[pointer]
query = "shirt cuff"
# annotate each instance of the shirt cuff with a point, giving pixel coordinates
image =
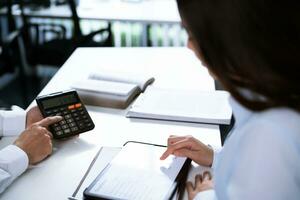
(206, 195)
(13, 122)
(13, 160)
(215, 159)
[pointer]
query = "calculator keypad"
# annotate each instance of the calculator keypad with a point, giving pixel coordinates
(75, 120)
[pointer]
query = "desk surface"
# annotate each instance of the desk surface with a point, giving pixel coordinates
(146, 11)
(58, 176)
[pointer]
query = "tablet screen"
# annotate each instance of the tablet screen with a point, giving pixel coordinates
(138, 173)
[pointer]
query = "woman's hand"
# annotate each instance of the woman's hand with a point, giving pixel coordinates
(187, 146)
(202, 183)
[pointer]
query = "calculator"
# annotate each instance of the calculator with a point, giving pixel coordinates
(67, 104)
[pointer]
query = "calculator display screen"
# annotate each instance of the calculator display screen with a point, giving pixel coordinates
(60, 101)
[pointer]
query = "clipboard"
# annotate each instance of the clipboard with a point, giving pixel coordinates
(137, 173)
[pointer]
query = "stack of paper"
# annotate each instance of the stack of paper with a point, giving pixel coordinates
(180, 105)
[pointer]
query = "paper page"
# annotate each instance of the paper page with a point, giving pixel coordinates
(195, 106)
(104, 158)
(138, 79)
(138, 173)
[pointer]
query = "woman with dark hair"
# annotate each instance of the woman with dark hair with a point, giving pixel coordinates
(253, 48)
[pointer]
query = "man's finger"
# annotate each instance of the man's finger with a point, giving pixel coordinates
(50, 134)
(49, 120)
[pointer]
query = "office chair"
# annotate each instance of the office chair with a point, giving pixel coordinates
(6, 61)
(8, 45)
(40, 51)
(10, 62)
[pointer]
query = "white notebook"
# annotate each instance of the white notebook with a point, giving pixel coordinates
(111, 89)
(182, 105)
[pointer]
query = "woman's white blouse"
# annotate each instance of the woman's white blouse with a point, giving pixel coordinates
(260, 158)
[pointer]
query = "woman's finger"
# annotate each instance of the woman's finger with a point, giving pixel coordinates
(198, 179)
(185, 153)
(173, 139)
(186, 143)
(189, 187)
(207, 176)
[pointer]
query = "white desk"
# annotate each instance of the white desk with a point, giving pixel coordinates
(58, 176)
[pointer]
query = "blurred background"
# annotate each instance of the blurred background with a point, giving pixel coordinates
(38, 36)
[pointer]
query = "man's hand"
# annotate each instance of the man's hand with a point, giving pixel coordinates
(33, 115)
(187, 146)
(202, 183)
(35, 141)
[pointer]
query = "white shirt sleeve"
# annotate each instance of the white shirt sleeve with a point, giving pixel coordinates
(12, 122)
(216, 155)
(13, 162)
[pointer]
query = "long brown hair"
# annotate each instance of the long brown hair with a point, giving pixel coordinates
(250, 44)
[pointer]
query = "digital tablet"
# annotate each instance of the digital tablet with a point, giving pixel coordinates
(138, 173)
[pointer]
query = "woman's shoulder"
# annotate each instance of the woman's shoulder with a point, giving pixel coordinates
(263, 151)
(282, 119)
(278, 125)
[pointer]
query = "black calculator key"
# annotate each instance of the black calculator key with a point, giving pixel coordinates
(77, 118)
(65, 126)
(72, 124)
(68, 116)
(62, 109)
(66, 131)
(66, 112)
(74, 128)
(55, 110)
(81, 125)
(70, 120)
(75, 114)
(63, 122)
(59, 132)
(86, 121)
(72, 111)
(48, 112)
(56, 124)
(84, 117)
(89, 124)
(58, 128)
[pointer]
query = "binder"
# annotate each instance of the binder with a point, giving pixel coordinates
(137, 173)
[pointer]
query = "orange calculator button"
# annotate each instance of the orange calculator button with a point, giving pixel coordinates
(78, 105)
(71, 107)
